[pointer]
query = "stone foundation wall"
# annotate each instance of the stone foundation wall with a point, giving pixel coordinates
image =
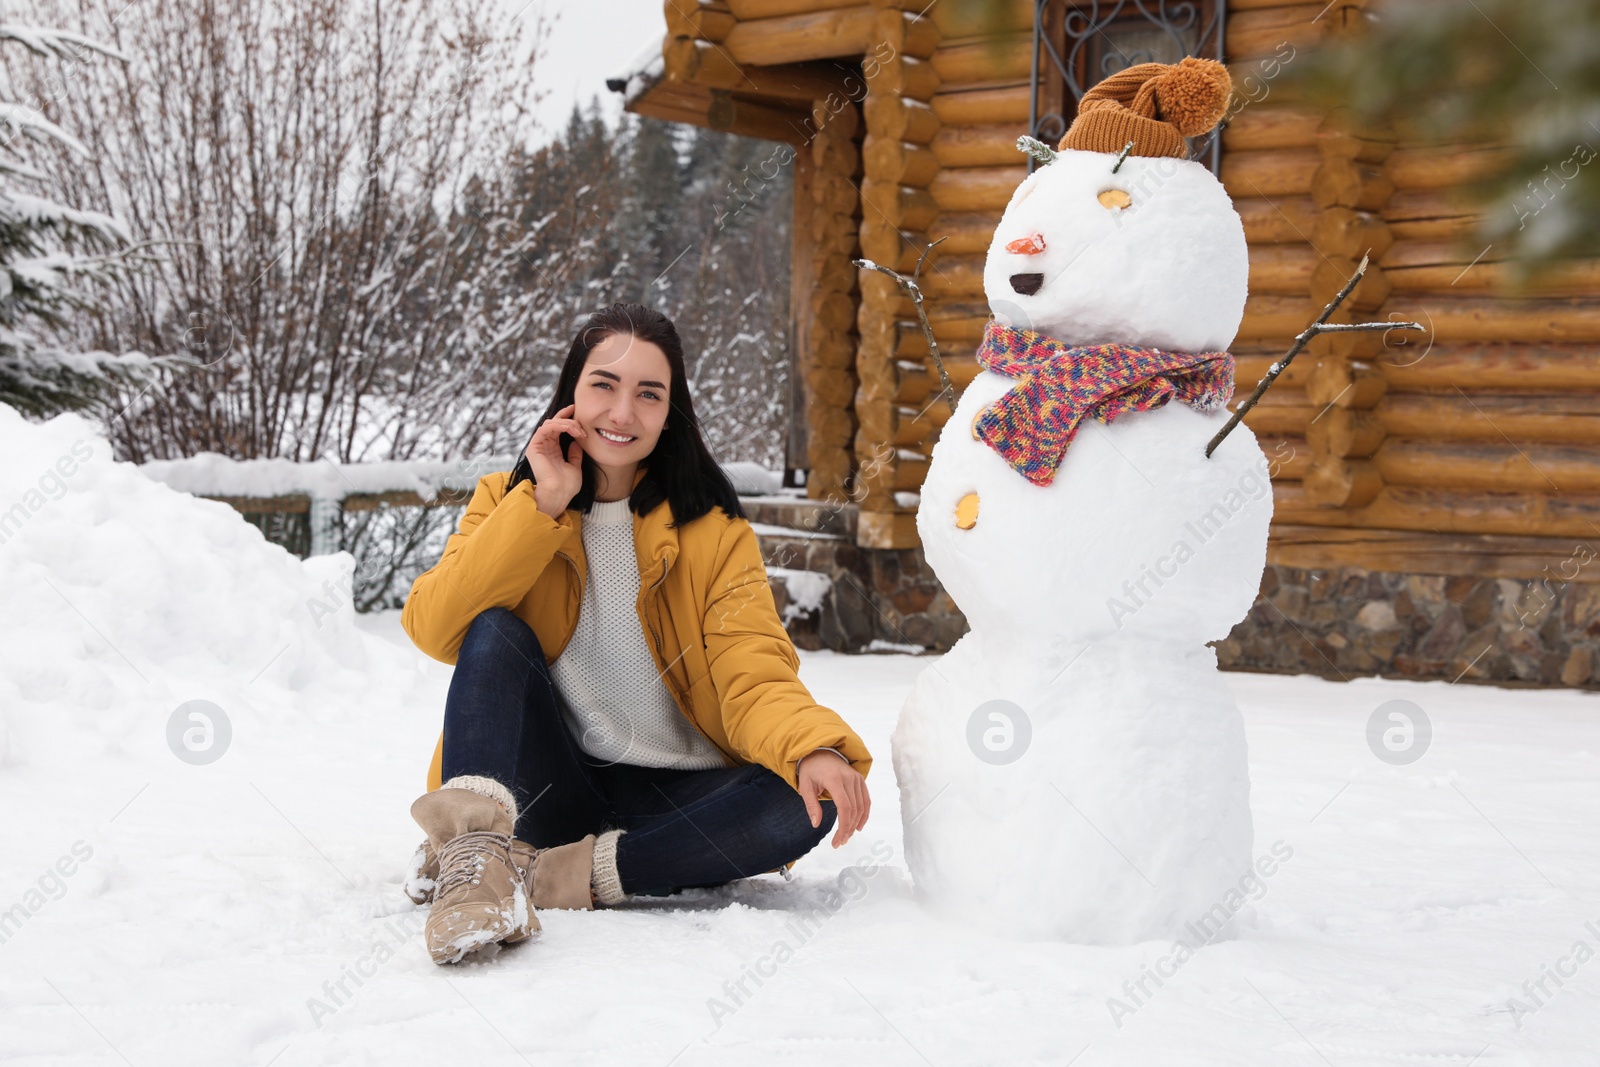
(1349, 622)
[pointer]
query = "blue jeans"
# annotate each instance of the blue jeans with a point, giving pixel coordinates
(685, 829)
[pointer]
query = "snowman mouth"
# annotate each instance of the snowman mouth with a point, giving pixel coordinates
(614, 438)
(1027, 284)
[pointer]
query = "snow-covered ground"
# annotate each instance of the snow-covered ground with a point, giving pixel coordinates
(248, 910)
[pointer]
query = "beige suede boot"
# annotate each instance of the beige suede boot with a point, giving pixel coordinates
(478, 898)
(563, 876)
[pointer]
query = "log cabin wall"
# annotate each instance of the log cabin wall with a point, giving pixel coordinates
(1436, 500)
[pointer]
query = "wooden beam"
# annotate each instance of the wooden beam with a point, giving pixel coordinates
(1414, 552)
(710, 65)
(958, 106)
(841, 32)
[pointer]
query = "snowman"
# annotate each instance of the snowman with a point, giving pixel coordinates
(1074, 767)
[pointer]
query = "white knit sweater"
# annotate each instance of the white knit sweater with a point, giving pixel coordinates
(614, 700)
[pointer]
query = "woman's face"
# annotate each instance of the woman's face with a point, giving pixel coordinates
(622, 393)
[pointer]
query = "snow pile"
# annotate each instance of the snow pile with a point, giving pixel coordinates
(130, 599)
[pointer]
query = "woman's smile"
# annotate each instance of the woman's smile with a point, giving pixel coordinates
(614, 438)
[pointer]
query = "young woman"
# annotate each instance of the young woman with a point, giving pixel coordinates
(625, 715)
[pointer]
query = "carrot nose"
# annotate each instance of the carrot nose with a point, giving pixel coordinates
(1030, 245)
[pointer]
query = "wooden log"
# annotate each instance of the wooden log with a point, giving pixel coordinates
(1288, 458)
(1331, 273)
(896, 117)
(889, 160)
(1445, 167)
(1259, 33)
(1283, 220)
(826, 225)
(1344, 433)
(964, 233)
(1577, 278)
(835, 116)
(1280, 416)
(958, 106)
(834, 197)
(900, 381)
(1449, 228)
(1345, 183)
(977, 146)
(900, 206)
(837, 157)
(905, 33)
(1268, 126)
(891, 423)
(844, 31)
(832, 348)
(1270, 172)
(1341, 137)
(708, 64)
(830, 467)
(1494, 368)
(708, 20)
(1403, 507)
(1250, 369)
(888, 470)
(1282, 268)
(834, 272)
(1497, 465)
(916, 79)
(1416, 205)
(1275, 318)
(982, 20)
(730, 114)
(955, 339)
(1346, 383)
(834, 386)
(1413, 552)
(976, 188)
(995, 60)
(1337, 483)
(893, 248)
(955, 277)
(1345, 232)
(1562, 418)
(831, 426)
(1467, 319)
(833, 311)
(751, 10)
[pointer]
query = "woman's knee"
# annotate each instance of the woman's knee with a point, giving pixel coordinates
(495, 631)
(790, 822)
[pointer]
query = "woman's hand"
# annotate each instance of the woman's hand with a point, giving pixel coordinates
(557, 478)
(824, 770)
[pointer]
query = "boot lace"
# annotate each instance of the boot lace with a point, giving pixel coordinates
(463, 857)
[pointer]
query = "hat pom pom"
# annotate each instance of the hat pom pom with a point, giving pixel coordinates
(1193, 95)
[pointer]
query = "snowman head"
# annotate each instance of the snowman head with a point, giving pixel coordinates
(1145, 248)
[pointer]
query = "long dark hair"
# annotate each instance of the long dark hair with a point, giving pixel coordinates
(680, 469)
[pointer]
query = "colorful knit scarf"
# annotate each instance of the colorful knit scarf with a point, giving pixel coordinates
(1058, 384)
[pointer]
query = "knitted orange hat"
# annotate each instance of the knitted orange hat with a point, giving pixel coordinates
(1154, 105)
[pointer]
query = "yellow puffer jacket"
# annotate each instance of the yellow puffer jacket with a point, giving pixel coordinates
(704, 603)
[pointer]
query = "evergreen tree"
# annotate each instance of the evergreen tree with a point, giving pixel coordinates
(1522, 75)
(45, 248)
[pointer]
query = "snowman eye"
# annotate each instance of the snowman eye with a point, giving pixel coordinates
(1114, 198)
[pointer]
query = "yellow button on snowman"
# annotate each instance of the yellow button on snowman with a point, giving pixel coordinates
(1094, 548)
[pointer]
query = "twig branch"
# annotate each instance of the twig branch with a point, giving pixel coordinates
(914, 291)
(1301, 339)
